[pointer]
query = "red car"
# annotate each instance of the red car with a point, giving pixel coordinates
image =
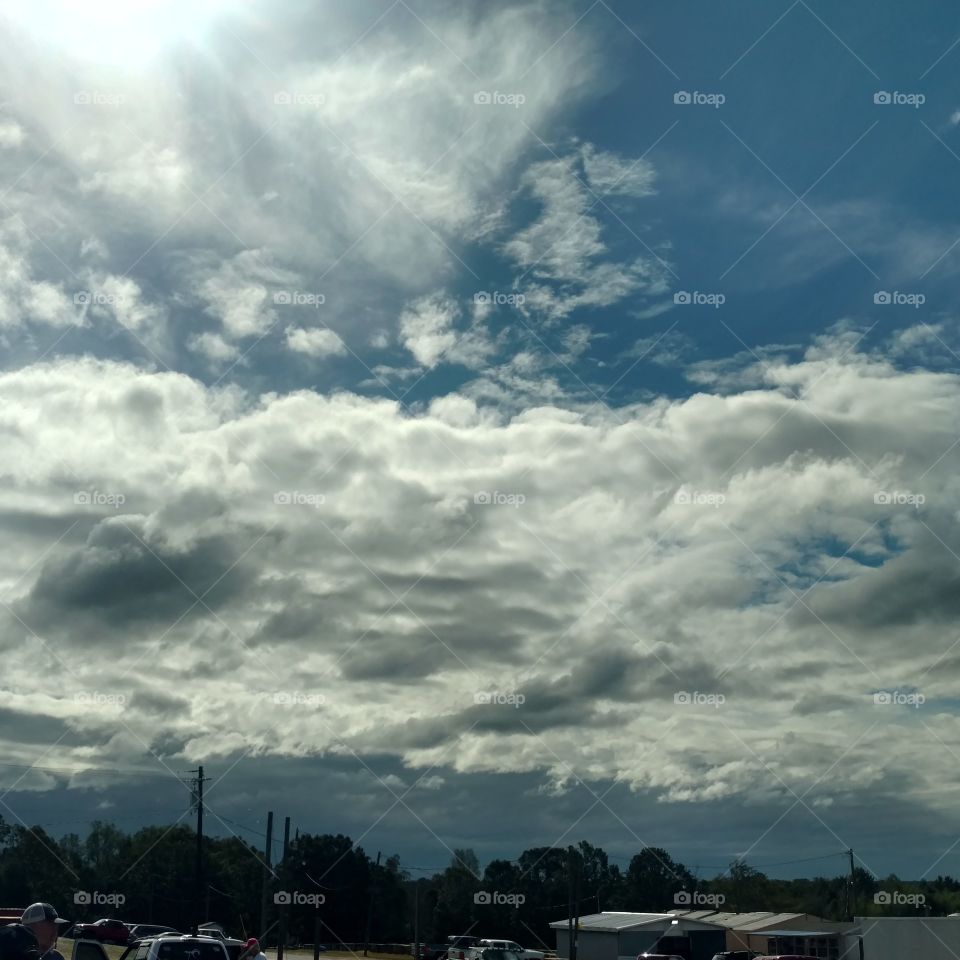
(106, 931)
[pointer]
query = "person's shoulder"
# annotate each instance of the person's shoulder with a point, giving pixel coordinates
(17, 942)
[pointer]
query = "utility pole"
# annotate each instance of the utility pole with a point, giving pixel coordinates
(373, 880)
(573, 895)
(283, 907)
(576, 905)
(416, 919)
(267, 856)
(198, 898)
(852, 899)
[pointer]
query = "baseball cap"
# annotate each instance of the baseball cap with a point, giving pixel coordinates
(40, 912)
(252, 942)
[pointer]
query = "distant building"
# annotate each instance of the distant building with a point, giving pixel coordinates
(779, 933)
(699, 934)
(891, 938)
(609, 936)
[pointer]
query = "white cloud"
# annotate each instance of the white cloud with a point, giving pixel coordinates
(315, 342)
(11, 135)
(427, 331)
(600, 594)
(213, 346)
(22, 296)
(561, 253)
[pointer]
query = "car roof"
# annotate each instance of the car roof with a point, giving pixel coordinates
(184, 936)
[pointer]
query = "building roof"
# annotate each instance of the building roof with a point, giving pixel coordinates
(759, 920)
(807, 934)
(614, 922)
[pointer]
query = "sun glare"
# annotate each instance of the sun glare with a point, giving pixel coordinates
(121, 32)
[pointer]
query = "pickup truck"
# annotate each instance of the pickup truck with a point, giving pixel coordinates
(165, 947)
(105, 930)
(510, 947)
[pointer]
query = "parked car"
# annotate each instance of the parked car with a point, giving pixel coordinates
(736, 955)
(513, 947)
(234, 947)
(659, 956)
(140, 930)
(481, 952)
(164, 947)
(457, 947)
(173, 946)
(786, 956)
(433, 951)
(103, 931)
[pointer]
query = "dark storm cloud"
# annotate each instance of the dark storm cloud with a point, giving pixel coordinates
(159, 702)
(20, 726)
(121, 576)
(922, 586)
(812, 703)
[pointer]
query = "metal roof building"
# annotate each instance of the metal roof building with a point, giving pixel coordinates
(610, 936)
(701, 933)
(773, 933)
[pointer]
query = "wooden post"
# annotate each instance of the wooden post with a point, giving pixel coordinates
(282, 936)
(267, 856)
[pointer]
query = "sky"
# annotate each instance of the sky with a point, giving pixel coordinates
(491, 426)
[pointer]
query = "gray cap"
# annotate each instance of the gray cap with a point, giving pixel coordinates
(40, 912)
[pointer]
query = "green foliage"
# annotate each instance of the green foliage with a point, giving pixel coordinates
(154, 869)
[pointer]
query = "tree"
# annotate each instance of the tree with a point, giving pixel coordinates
(456, 886)
(652, 881)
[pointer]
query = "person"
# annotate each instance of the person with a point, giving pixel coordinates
(34, 936)
(251, 950)
(43, 921)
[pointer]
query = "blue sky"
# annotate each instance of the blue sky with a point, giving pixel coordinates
(357, 360)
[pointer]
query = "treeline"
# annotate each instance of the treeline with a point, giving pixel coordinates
(148, 877)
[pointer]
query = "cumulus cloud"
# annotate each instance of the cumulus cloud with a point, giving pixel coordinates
(315, 342)
(709, 545)
(427, 331)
